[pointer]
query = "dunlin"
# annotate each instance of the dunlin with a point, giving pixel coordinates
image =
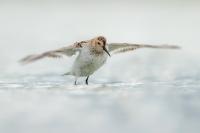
(92, 54)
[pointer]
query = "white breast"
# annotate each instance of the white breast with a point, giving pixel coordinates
(87, 63)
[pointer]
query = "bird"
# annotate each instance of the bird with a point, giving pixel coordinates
(92, 54)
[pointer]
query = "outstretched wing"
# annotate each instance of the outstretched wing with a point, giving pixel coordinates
(68, 51)
(125, 47)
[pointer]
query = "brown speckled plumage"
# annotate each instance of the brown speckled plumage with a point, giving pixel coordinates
(92, 55)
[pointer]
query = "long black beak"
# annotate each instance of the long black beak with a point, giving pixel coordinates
(104, 48)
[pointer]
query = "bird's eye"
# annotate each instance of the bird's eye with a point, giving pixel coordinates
(99, 43)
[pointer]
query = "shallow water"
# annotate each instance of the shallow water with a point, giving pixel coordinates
(50, 103)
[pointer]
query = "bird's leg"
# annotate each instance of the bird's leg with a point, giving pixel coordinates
(86, 81)
(75, 82)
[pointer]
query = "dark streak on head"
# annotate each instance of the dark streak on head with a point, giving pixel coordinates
(102, 39)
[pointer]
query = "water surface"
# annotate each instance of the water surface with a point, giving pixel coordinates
(51, 103)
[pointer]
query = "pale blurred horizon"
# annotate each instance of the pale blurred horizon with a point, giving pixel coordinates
(36, 26)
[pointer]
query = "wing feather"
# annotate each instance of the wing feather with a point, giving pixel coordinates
(126, 47)
(68, 51)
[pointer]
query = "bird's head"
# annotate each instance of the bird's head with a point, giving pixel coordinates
(100, 44)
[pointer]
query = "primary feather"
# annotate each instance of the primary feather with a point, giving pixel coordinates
(67, 51)
(125, 47)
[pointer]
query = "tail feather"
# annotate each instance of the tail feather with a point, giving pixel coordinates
(68, 73)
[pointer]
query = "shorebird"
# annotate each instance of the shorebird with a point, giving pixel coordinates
(92, 54)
